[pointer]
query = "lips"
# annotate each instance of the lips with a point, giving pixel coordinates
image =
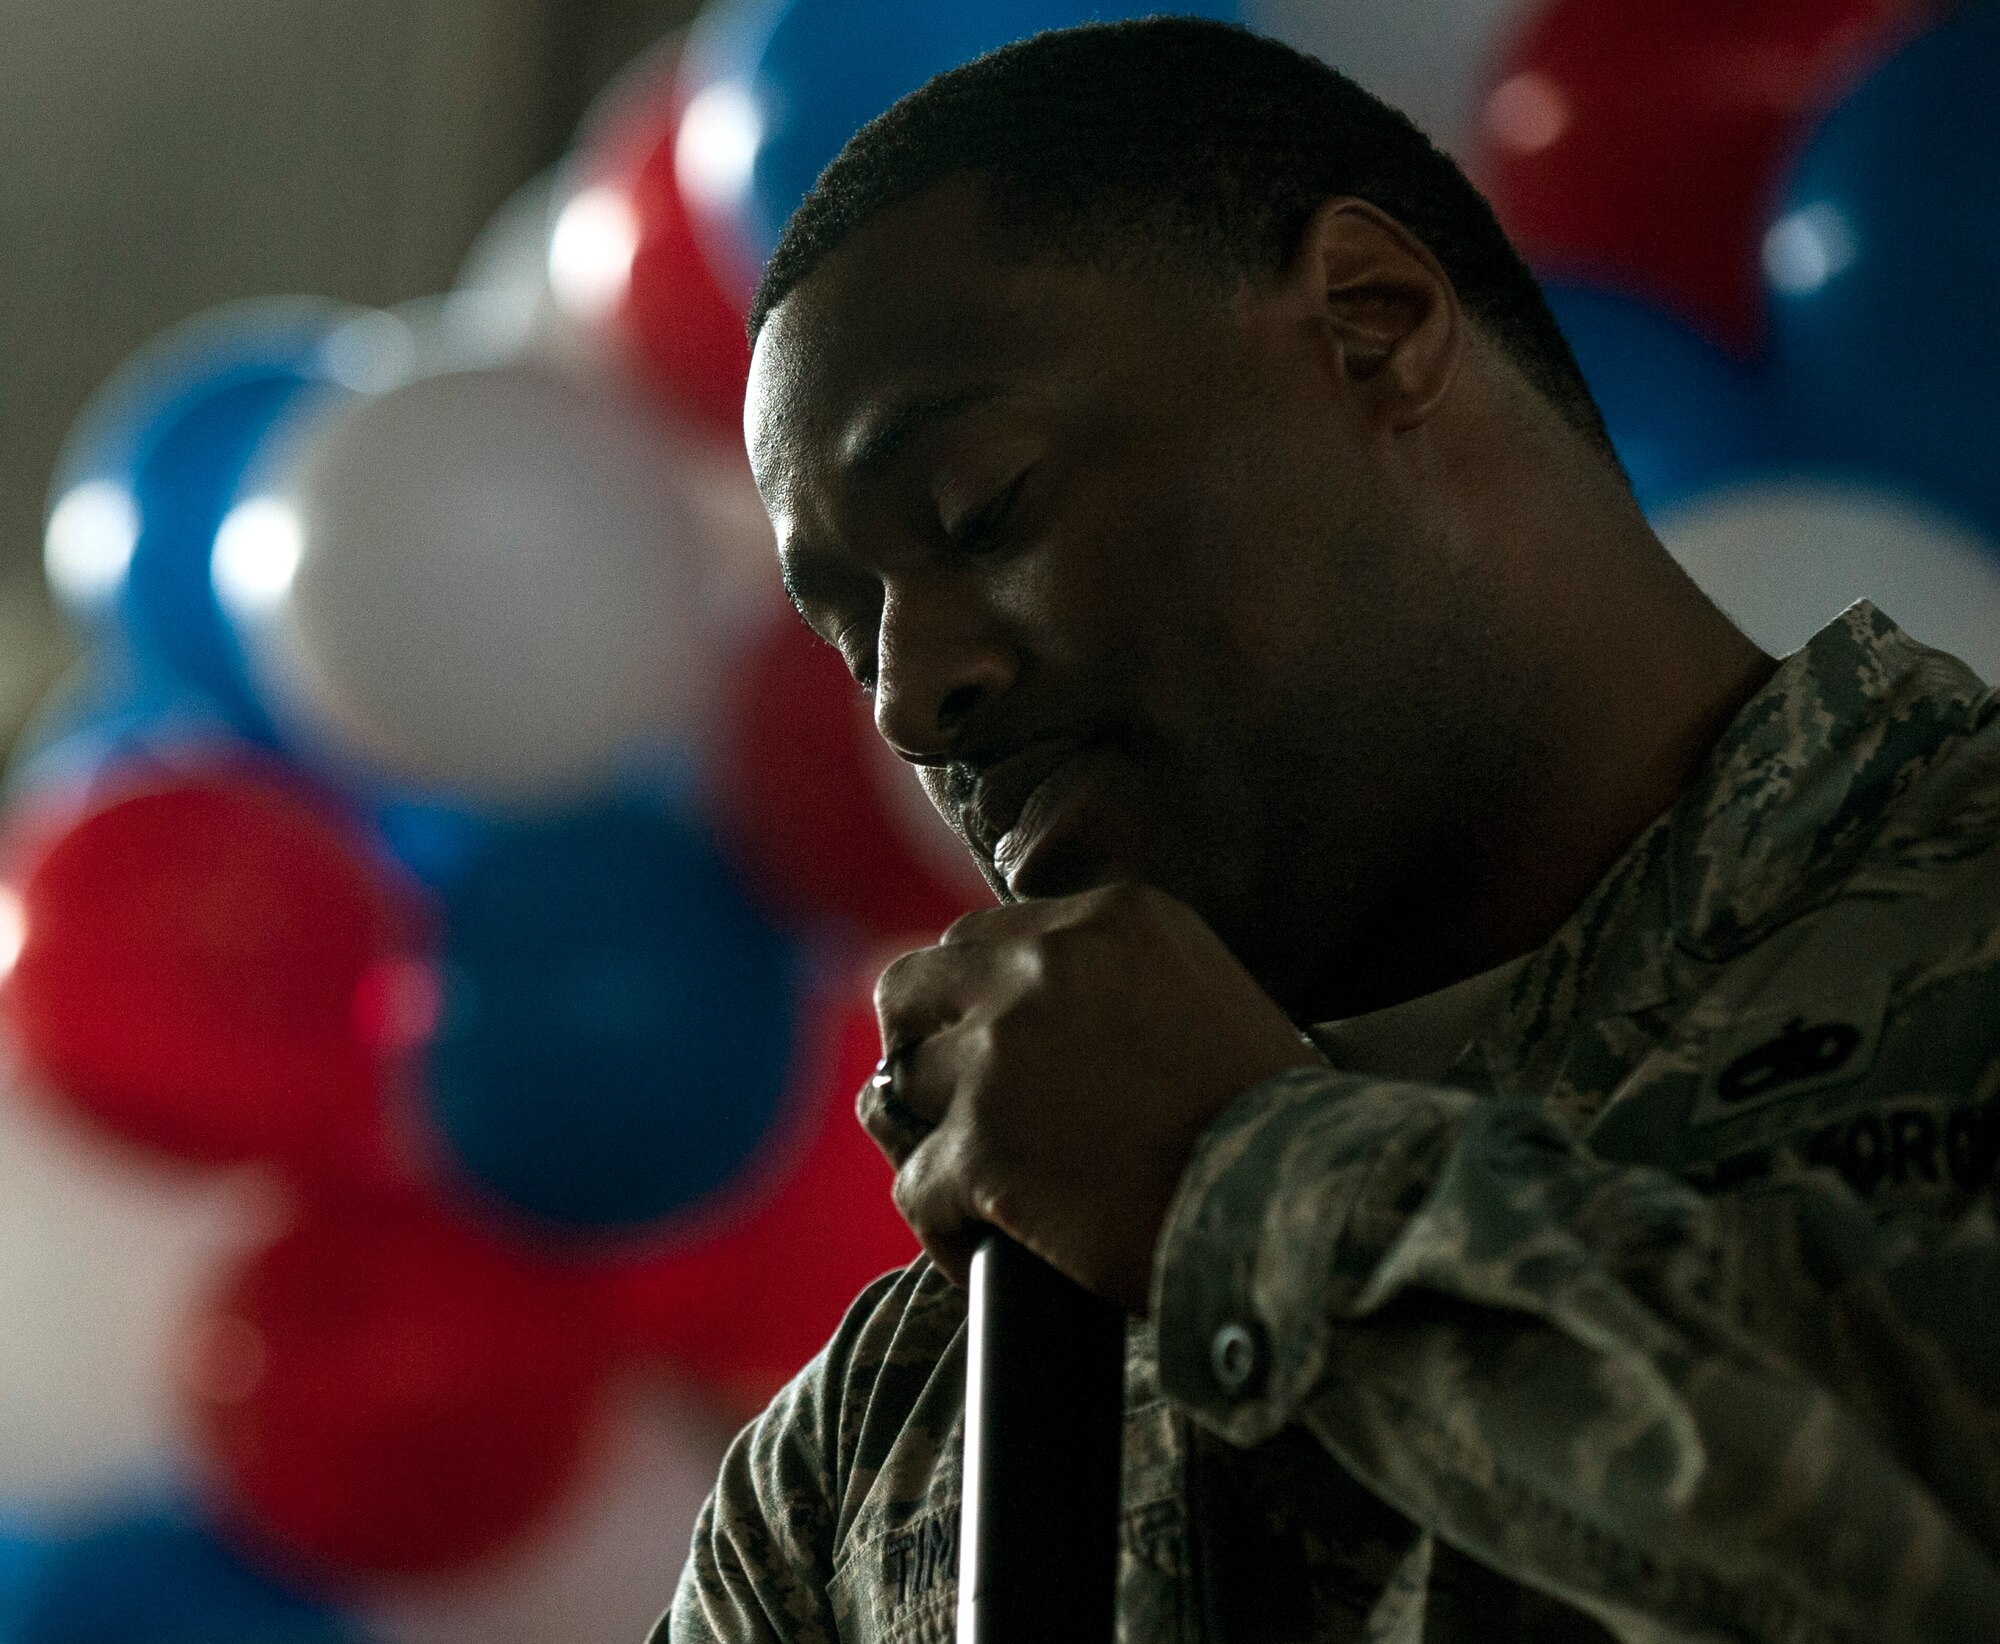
(1004, 789)
(1024, 856)
(1015, 801)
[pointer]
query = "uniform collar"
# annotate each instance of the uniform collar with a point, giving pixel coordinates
(1420, 1038)
(1791, 793)
(1798, 784)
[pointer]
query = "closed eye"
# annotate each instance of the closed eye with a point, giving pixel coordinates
(980, 533)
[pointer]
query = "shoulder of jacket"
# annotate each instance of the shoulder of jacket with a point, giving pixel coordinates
(1951, 810)
(849, 1406)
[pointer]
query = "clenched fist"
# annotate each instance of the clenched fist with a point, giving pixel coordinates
(1055, 1062)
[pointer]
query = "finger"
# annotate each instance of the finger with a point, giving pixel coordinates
(1009, 920)
(932, 1194)
(913, 1088)
(927, 990)
(885, 1112)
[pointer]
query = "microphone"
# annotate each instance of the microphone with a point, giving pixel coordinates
(1044, 1425)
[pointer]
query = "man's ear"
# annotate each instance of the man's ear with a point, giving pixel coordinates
(1385, 308)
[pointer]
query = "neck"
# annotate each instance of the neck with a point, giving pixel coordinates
(1631, 748)
(1630, 676)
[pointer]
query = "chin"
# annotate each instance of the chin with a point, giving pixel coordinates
(1075, 860)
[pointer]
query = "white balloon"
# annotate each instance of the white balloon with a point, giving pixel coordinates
(606, 1567)
(733, 539)
(1430, 58)
(510, 256)
(103, 1261)
(505, 298)
(503, 287)
(483, 581)
(424, 337)
(1783, 557)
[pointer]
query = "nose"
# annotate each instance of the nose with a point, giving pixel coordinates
(936, 660)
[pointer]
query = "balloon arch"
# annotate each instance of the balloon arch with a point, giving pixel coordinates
(450, 833)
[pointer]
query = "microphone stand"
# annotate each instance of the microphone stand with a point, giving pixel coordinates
(1044, 1422)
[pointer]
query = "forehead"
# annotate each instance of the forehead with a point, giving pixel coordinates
(916, 304)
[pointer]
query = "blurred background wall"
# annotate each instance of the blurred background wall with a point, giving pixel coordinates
(158, 157)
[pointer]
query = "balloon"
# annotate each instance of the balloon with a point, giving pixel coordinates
(627, 334)
(384, 1393)
(154, 1573)
(801, 797)
(617, 1022)
(1639, 144)
(1784, 555)
(603, 1565)
(504, 280)
(192, 968)
(638, 311)
(776, 89)
(99, 1267)
(1884, 262)
(105, 726)
(1426, 57)
(19, 1555)
(505, 289)
(479, 580)
(739, 548)
(743, 1309)
(1682, 416)
(427, 337)
(623, 256)
(434, 842)
(148, 473)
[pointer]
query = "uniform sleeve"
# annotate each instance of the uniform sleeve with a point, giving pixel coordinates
(1572, 1370)
(759, 1565)
(762, 1558)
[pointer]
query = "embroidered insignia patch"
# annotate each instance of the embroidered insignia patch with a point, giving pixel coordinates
(1790, 1050)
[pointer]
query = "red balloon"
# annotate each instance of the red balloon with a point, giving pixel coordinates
(675, 318)
(800, 795)
(1640, 143)
(742, 1311)
(204, 969)
(384, 1393)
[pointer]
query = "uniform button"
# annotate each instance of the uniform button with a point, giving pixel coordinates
(1236, 1355)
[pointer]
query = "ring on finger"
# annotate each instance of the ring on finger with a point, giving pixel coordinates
(894, 1106)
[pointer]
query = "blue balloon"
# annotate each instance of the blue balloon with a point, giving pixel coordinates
(434, 841)
(150, 470)
(1684, 418)
(816, 71)
(105, 722)
(617, 1020)
(1883, 266)
(20, 1554)
(434, 836)
(152, 1574)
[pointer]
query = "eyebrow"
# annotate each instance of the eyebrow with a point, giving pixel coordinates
(882, 435)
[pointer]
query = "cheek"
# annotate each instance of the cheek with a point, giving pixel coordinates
(1135, 572)
(1080, 605)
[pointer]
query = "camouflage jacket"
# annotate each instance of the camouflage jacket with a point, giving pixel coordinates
(1673, 1313)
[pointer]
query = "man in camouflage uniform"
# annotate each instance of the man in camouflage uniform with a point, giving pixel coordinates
(1171, 445)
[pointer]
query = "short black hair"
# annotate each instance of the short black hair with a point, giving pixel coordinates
(1190, 136)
